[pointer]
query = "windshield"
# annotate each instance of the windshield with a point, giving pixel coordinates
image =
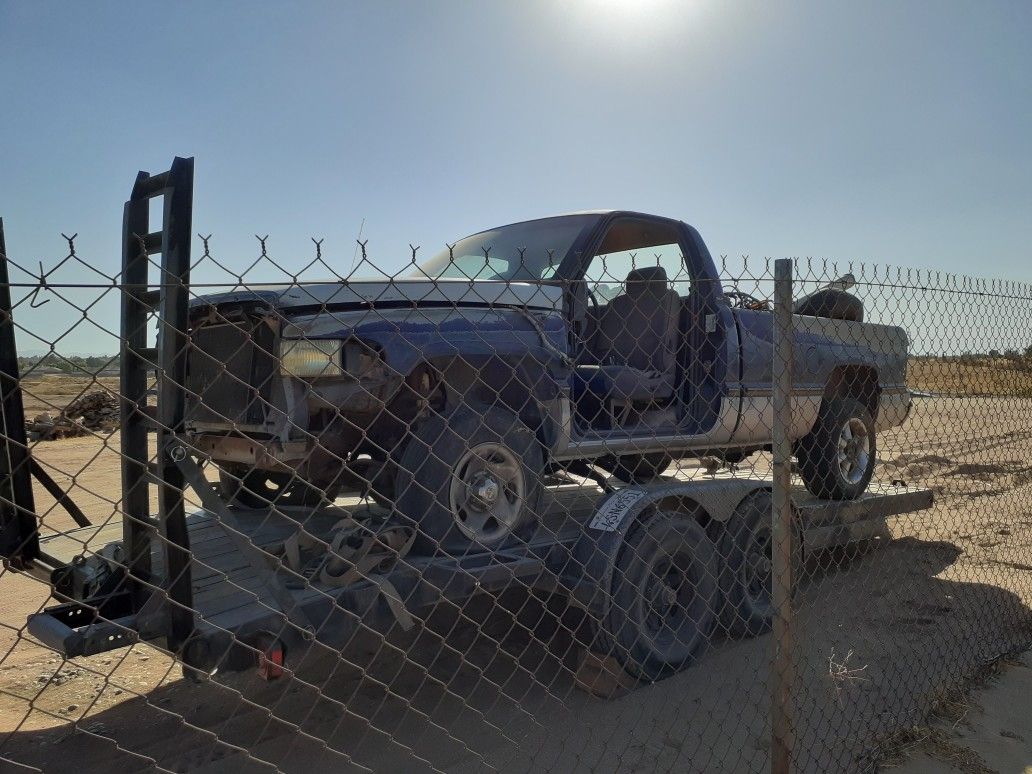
(531, 251)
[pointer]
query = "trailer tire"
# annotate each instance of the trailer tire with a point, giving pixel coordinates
(470, 480)
(745, 543)
(637, 468)
(837, 458)
(664, 597)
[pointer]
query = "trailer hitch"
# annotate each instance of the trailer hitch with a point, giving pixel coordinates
(87, 628)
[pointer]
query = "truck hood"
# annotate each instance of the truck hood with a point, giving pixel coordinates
(399, 292)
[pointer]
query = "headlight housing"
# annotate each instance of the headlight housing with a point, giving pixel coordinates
(360, 360)
(308, 358)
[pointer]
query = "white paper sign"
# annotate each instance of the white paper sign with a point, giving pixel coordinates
(612, 513)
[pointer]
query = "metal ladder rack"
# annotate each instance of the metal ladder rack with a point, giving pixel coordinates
(167, 298)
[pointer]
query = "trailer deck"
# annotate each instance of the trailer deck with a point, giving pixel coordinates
(232, 598)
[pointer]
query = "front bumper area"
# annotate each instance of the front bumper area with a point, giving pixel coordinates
(254, 453)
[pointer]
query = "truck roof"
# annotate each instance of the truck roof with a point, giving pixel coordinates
(575, 213)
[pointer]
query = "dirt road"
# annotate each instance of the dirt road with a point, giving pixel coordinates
(881, 636)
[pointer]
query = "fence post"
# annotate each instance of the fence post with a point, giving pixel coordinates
(781, 659)
(19, 535)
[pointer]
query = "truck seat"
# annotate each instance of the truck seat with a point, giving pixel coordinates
(635, 344)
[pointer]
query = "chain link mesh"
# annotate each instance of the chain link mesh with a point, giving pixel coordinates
(511, 509)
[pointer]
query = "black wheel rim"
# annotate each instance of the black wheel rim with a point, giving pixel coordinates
(756, 569)
(672, 607)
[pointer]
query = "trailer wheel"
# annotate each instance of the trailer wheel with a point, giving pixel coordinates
(637, 468)
(664, 598)
(470, 479)
(837, 458)
(746, 543)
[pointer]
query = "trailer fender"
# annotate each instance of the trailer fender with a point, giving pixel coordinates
(595, 553)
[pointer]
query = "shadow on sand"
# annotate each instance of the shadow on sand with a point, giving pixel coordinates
(493, 688)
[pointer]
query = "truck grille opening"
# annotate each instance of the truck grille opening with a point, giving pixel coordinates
(230, 367)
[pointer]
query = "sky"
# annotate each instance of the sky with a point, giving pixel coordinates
(893, 133)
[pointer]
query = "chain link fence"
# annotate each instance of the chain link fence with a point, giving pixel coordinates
(533, 504)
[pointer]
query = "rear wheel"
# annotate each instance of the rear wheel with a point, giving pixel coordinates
(470, 479)
(664, 597)
(746, 546)
(637, 468)
(837, 458)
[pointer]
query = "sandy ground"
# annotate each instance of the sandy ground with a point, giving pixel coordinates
(987, 730)
(881, 637)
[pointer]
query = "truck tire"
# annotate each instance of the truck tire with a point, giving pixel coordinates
(837, 458)
(637, 468)
(470, 480)
(664, 597)
(832, 304)
(745, 543)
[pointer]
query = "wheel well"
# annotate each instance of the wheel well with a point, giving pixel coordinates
(860, 382)
(493, 382)
(685, 505)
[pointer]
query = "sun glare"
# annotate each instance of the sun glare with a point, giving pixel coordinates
(633, 21)
(629, 7)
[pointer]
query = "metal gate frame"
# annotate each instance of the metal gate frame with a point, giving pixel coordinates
(168, 297)
(19, 530)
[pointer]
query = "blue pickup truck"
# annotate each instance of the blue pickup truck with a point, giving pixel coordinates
(598, 337)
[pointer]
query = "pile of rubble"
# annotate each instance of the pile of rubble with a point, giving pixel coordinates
(93, 412)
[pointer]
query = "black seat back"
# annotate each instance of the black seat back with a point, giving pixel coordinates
(639, 328)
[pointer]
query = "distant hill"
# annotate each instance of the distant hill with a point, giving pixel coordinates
(73, 364)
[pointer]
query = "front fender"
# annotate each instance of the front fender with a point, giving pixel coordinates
(478, 336)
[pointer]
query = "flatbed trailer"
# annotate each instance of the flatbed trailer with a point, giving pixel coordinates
(244, 605)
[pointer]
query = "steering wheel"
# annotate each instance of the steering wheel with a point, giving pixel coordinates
(594, 303)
